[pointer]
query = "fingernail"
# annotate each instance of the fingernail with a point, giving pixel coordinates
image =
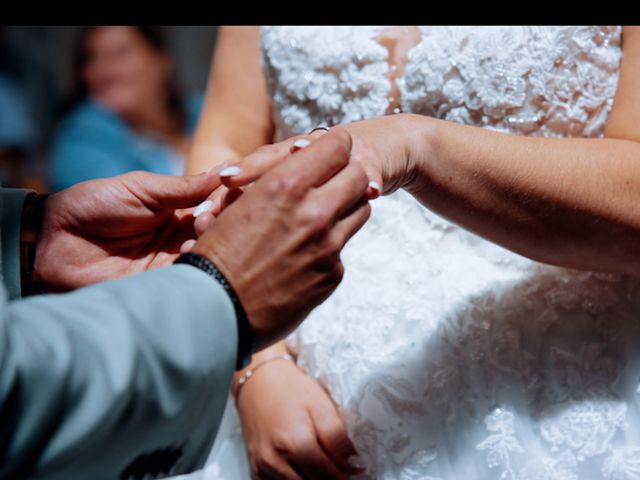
(187, 245)
(299, 144)
(230, 171)
(356, 462)
(205, 206)
(373, 190)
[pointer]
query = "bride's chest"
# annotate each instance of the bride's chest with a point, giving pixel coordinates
(552, 81)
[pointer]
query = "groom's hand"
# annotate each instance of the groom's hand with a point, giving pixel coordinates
(109, 228)
(279, 244)
(241, 175)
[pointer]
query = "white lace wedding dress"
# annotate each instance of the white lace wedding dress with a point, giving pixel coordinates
(451, 357)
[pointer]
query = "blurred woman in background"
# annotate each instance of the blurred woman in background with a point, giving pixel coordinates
(126, 113)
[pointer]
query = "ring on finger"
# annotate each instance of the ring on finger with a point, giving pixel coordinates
(319, 127)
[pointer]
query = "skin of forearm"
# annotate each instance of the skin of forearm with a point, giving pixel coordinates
(567, 202)
(204, 157)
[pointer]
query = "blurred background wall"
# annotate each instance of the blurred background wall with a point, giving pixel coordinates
(42, 66)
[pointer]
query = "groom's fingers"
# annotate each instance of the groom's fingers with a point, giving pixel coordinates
(264, 159)
(170, 192)
(203, 222)
(208, 210)
(348, 226)
(342, 191)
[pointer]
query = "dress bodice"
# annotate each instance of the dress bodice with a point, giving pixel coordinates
(448, 356)
(547, 81)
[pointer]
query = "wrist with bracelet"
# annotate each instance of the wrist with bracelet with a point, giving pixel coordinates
(249, 372)
(31, 222)
(246, 343)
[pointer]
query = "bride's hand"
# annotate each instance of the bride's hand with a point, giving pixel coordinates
(251, 168)
(292, 428)
(382, 145)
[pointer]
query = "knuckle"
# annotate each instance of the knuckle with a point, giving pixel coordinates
(357, 176)
(294, 442)
(341, 143)
(318, 219)
(282, 442)
(280, 185)
(135, 177)
(273, 186)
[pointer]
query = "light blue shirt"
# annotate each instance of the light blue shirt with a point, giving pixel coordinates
(16, 127)
(93, 142)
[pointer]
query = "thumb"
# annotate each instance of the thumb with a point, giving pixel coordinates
(165, 192)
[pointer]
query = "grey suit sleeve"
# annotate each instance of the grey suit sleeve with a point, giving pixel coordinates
(116, 379)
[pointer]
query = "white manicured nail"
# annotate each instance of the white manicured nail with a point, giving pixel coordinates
(230, 171)
(356, 462)
(374, 186)
(299, 144)
(205, 206)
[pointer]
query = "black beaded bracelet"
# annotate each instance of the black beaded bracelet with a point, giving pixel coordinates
(246, 344)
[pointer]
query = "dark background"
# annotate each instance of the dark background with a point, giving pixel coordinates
(42, 61)
(46, 56)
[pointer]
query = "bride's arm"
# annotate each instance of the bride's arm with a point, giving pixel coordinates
(236, 117)
(569, 202)
(291, 426)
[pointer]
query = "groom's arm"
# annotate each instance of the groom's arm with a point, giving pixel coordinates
(115, 380)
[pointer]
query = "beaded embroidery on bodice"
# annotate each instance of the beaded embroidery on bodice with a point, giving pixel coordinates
(546, 81)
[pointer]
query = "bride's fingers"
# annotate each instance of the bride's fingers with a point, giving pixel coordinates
(276, 468)
(333, 438)
(263, 159)
(313, 464)
(374, 189)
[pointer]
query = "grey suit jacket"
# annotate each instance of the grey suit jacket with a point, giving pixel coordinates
(121, 380)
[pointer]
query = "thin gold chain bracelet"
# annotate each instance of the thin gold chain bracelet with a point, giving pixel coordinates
(244, 378)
